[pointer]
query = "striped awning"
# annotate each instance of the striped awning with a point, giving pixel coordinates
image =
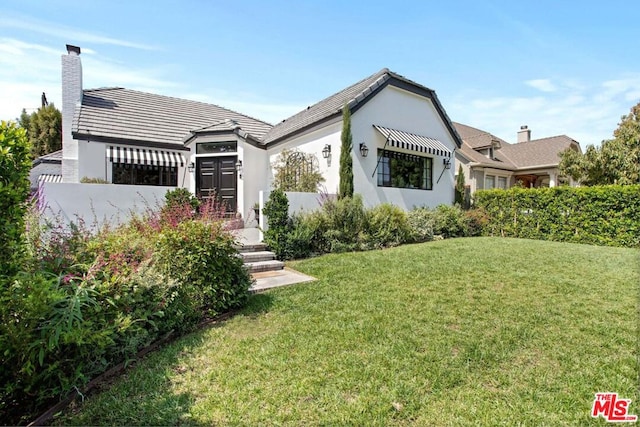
(46, 177)
(144, 156)
(413, 142)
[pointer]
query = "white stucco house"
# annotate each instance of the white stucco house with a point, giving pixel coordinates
(404, 142)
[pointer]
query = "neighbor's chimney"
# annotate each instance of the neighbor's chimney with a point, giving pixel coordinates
(524, 134)
(71, 98)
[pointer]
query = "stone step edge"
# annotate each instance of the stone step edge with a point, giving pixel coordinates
(259, 266)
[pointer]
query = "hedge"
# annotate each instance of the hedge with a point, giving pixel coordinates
(602, 215)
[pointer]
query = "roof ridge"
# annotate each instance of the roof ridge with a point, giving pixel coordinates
(542, 139)
(178, 99)
(380, 72)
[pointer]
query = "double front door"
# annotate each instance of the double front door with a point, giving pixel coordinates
(217, 177)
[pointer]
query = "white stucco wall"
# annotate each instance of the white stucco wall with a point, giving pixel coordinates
(255, 175)
(401, 110)
(99, 203)
(92, 162)
(313, 142)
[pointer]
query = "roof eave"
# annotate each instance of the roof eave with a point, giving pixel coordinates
(89, 137)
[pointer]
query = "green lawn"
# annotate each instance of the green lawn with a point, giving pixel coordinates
(479, 331)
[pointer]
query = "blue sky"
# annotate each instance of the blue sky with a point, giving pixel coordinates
(559, 67)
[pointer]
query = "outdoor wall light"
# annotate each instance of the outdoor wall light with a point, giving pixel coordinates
(326, 151)
(364, 150)
(239, 168)
(191, 167)
(446, 163)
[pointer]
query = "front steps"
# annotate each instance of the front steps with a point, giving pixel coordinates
(258, 259)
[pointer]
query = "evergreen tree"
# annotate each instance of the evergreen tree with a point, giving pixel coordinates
(459, 194)
(346, 162)
(44, 129)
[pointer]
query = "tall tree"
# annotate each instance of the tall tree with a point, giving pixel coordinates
(459, 192)
(345, 188)
(44, 129)
(616, 161)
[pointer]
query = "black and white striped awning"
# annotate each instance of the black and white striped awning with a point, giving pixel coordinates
(46, 177)
(144, 156)
(413, 142)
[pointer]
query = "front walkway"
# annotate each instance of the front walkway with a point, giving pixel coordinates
(268, 279)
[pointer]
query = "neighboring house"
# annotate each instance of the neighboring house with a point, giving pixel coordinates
(129, 137)
(490, 162)
(47, 168)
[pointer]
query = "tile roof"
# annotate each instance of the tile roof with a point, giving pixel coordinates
(328, 107)
(499, 161)
(133, 115)
(54, 157)
(524, 155)
(538, 152)
(352, 95)
(476, 138)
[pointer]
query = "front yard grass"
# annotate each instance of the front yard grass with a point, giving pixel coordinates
(479, 331)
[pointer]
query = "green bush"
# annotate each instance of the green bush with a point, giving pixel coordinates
(90, 301)
(15, 164)
(389, 226)
(276, 236)
(180, 197)
(605, 215)
(202, 257)
(449, 221)
(347, 224)
(421, 223)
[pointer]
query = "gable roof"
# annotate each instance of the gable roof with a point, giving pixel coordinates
(354, 96)
(524, 155)
(476, 138)
(54, 157)
(538, 152)
(123, 114)
(498, 162)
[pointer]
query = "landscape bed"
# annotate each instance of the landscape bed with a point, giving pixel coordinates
(470, 331)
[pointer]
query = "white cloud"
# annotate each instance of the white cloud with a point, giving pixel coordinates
(28, 69)
(544, 85)
(247, 104)
(587, 113)
(66, 33)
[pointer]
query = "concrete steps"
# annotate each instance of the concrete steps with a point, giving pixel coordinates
(258, 259)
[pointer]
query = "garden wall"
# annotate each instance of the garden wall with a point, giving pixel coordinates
(99, 203)
(604, 215)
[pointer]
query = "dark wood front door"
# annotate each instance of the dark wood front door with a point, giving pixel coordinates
(217, 177)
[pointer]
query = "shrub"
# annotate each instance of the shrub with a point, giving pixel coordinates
(202, 258)
(14, 189)
(279, 225)
(389, 226)
(180, 197)
(421, 223)
(87, 180)
(110, 296)
(347, 224)
(449, 221)
(475, 222)
(605, 215)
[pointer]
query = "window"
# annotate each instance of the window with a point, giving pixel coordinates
(402, 170)
(489, 182)
(126, 173)
(216, 147)
(502, 182)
